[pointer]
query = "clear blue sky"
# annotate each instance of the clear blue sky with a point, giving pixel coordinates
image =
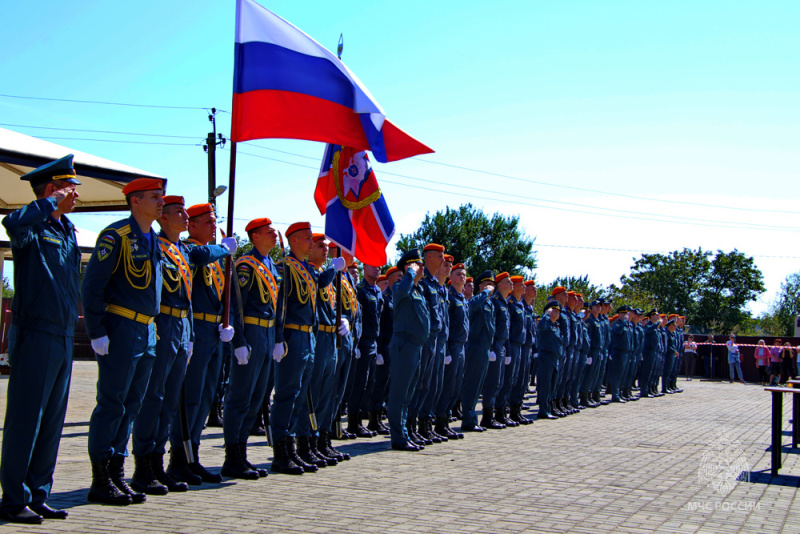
(677, 101)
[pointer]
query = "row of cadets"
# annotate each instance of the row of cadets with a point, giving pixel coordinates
(458, 326)
(43, 315)
(371, 304)
(513, 360)
(121, 297)
(253, 312)
(478, 350)
(294, 352)
(204, 367)
(174, 324)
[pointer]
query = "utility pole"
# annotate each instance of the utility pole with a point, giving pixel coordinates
(210, 147)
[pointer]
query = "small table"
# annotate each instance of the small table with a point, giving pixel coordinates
(777, 422)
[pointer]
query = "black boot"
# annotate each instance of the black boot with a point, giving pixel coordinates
(116, 470)
(375, 424)
(215, 415)
(143, 479)
(291, 452)
(179, 468)
(305, 453)
(243, 451)
(318, 450)
(426, 431)
(198, 469)
(501, 417)
(457, 413)
(414, 436)
(157, 462)
(103, 490)
(282, 461)
(234, 466)
(487, 421)
(324, 441)
(443, 428)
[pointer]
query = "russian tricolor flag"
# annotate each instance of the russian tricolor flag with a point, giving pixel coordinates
(287, 85)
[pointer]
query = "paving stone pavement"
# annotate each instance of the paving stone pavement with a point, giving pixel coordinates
(620, 468)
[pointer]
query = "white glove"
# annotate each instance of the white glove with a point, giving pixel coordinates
(230, 244)
(379, 360)
(448, 359)
(225, 334)
(279, 352)
(344, 327)
(535, 354)
(242, 355)
(589, 361)
(508, 360)
(339, 264)
(189, 351)
(100, 345)
(358, 354)
(492, 356)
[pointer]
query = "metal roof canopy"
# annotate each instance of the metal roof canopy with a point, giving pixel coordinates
(102, 180)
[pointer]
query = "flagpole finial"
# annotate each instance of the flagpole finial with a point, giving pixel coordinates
(340, 47)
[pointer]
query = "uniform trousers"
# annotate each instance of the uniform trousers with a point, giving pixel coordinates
(453, 375)
(523, 376)
(476, 364)
(494, 377)
(405, 370)
(510, 374)
(292, 375)
(122, 377)
(321, 386)
(37, 393)
(247, 386)
(425, 374)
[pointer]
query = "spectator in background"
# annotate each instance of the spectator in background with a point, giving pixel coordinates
(762, 361)
(734, 358)
(787, 363)
(690, 353)
(775, 352)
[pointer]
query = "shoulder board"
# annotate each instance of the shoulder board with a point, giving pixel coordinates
(125, 230)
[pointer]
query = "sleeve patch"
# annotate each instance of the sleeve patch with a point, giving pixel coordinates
(104, 250)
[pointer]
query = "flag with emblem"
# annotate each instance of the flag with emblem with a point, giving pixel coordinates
(287, 85)
(356, 215)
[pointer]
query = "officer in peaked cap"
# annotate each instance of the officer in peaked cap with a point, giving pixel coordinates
(46, 262)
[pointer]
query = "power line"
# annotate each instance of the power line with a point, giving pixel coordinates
(99, 131)
(684, 221)
(153, 106)
(119, 141)
(562, 186)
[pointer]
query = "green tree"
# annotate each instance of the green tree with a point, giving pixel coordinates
(779, 321)
(478, 241)
(712, 291)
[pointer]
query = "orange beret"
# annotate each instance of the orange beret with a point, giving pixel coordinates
(257, 223)
(174, 199)
(558, 289)
(500, 277)
(199, 209)
(682, 317)
(381, 278)
(316, 236)
(353, 263)
(143, 184)
(662, 314)
(529, 282)
(296, 227)
(579, 295)
(571, 293)
(517, 279)
(391, 271)
(469, 279)
(672, 315)
(448, 257)
(458, 266)
(433, 246)
(614, 318)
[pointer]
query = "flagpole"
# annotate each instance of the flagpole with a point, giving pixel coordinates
(226, 293)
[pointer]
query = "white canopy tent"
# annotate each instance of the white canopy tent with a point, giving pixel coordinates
(102, 180)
